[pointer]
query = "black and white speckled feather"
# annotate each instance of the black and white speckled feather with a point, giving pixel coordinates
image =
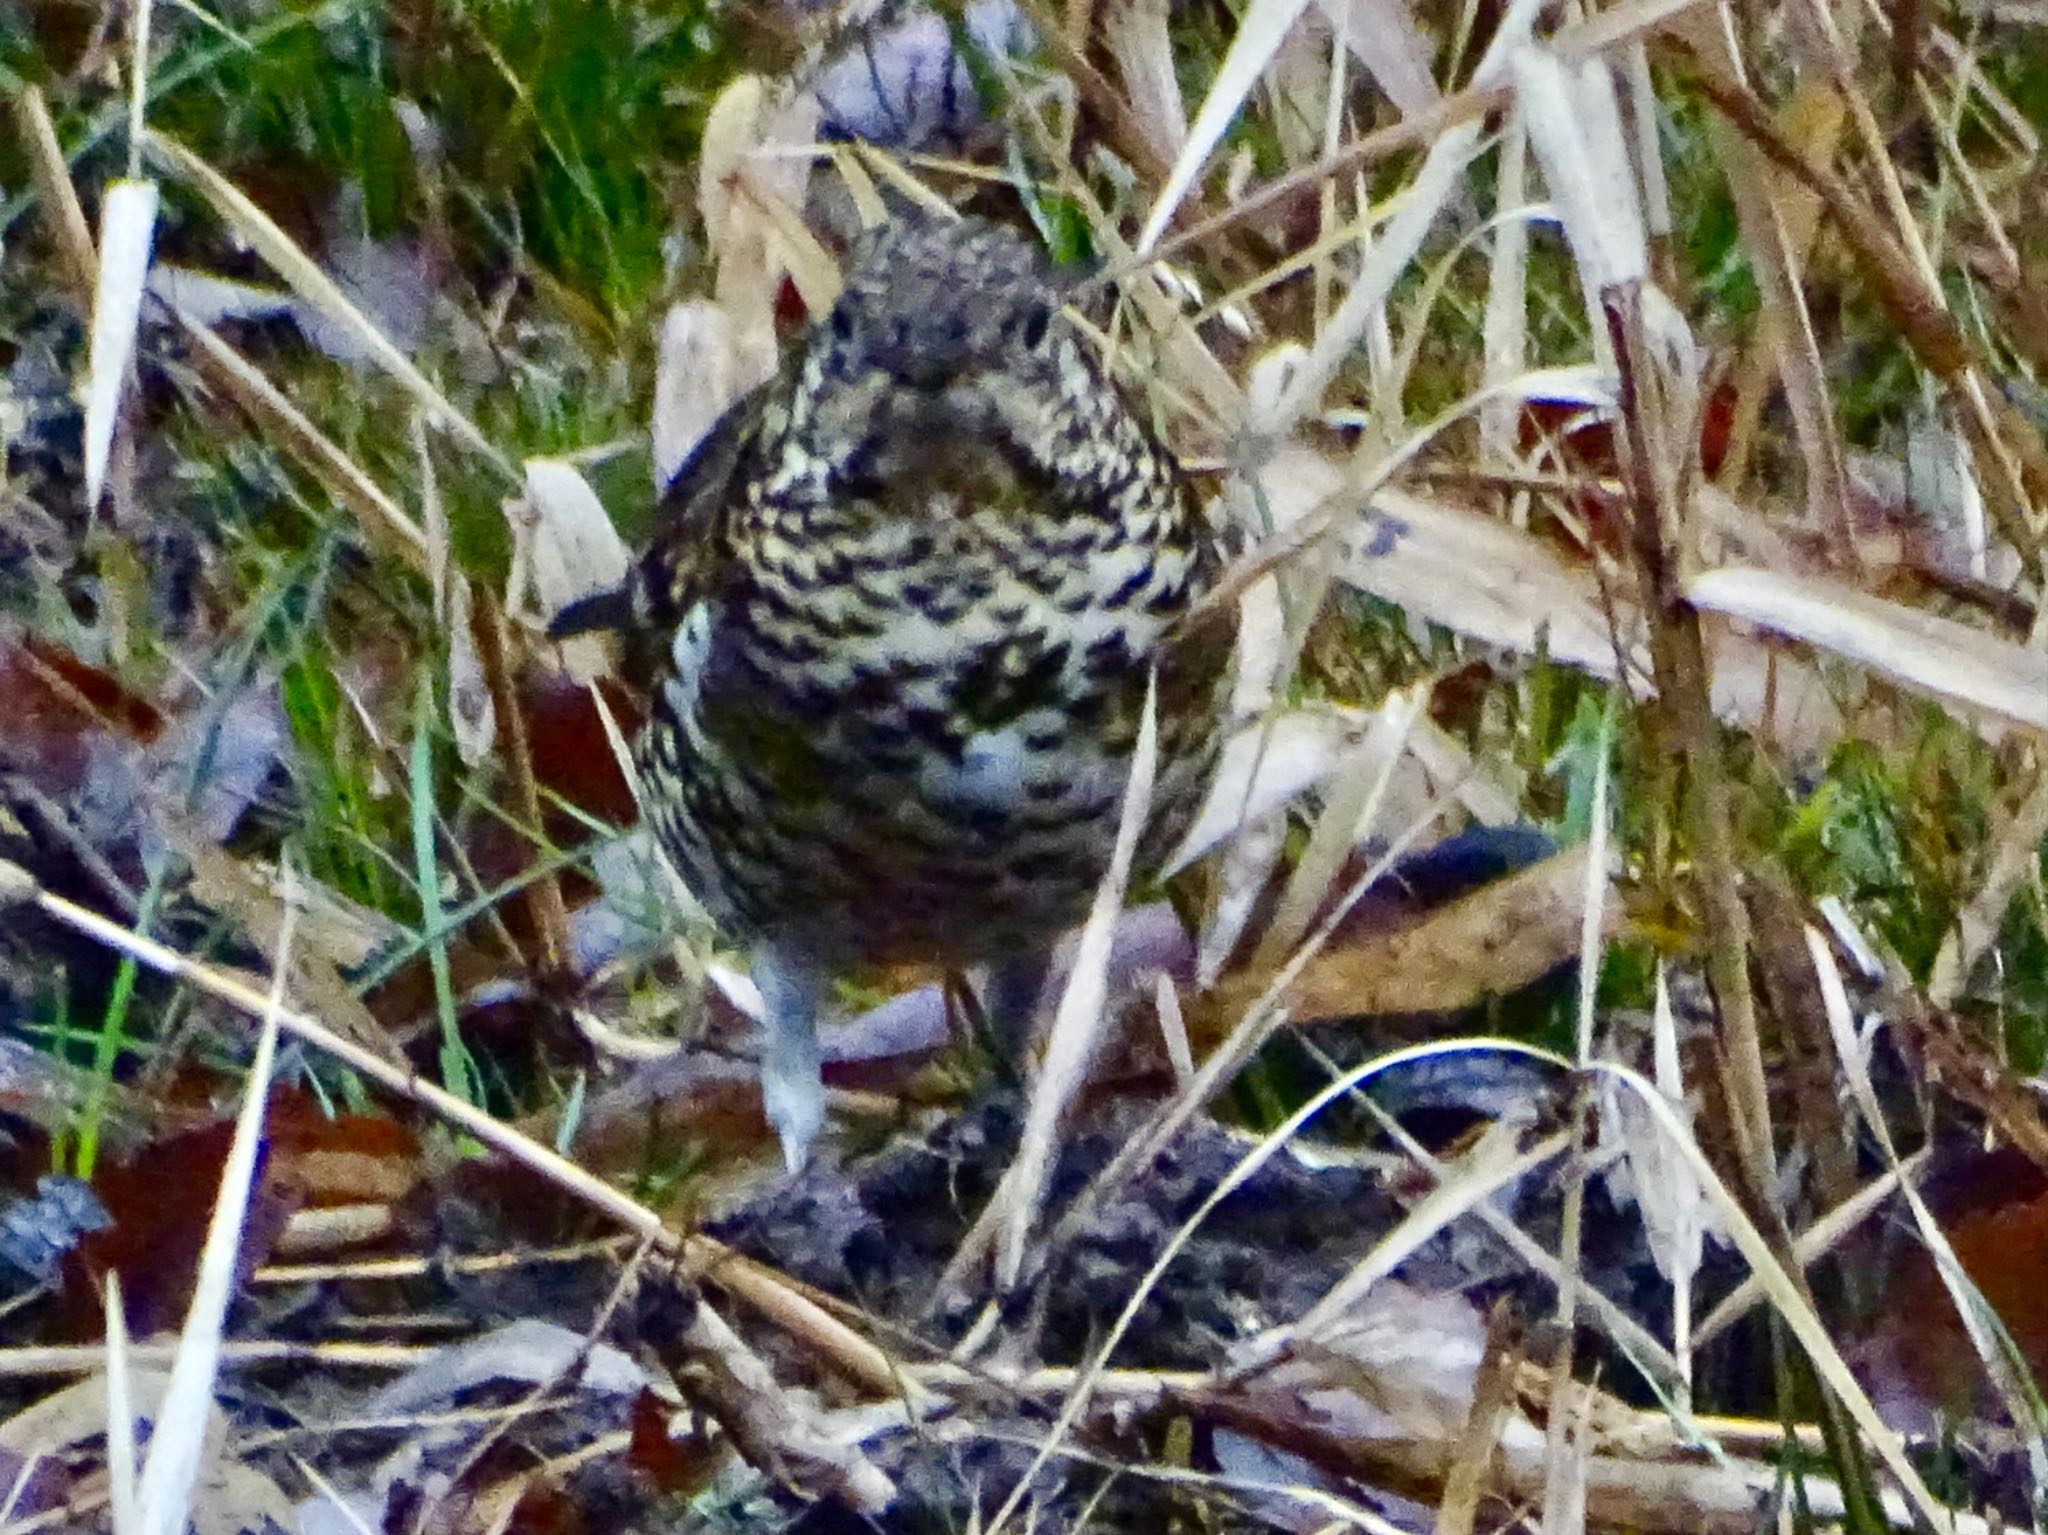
(898, 621)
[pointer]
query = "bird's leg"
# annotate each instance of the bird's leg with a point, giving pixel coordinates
(792, 1081)
(1009, 1000)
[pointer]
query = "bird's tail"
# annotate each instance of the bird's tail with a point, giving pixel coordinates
(610, 610)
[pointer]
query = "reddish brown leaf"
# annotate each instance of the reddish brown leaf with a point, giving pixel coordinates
(57, 706)
(160, 1201)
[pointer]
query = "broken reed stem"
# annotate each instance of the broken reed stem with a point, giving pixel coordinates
(1684, 711)
(1469, 1477)
(1684, 719)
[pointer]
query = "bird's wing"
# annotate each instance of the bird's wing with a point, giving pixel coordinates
(692, 529)
(689, 543)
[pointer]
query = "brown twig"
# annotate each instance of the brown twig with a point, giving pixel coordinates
(773, 1431)
(1684, 719)
(545, 908)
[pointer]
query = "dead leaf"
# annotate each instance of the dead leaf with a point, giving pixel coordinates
(1501, 938)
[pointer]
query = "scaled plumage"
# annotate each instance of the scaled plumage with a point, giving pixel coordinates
(897, 622)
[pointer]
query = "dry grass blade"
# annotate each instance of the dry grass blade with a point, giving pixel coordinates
(60, 198)
(1442, 169)
(1488, 1168)
(1264, 768)
(1506, 328)
(1390, 256)
(1778, 225)
(1265, 25)
(1566, 1450)
(778, 1431)
(1569, 1463)
(2015, 857)
(564, 547)
(696, 376)
(751, 177)
(577, 1366)
(331, 1498)
(2007, 1371)
(732, 133)
(120, 1414)
(1077, 1025)
(1384, 37)
(1593, 908)
(1925, 651)
(334, 934)
(90, 1359)
(1814, 1243)
(811, 267)
(1262, 1016)
(384, 522)
(1916, 307)
(1574, 125)
(1671, 1199)
(127, 235)
(1787, 1297)
(1468, 1478)
(163, 1496)
(1649, 1357)
(1351, 809)
(1488, 93)
(1137, 37)
(545, 907)
(303, 275)
(1077, 1399)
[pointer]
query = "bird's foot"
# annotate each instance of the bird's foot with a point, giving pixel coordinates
(1010, 998)
(795, 1105)
(792, 1066)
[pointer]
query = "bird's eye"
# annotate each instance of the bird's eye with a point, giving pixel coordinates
(1037, 320)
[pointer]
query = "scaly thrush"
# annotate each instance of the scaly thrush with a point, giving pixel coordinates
(897, 623)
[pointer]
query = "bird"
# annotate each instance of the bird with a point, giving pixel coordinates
(897, 623)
